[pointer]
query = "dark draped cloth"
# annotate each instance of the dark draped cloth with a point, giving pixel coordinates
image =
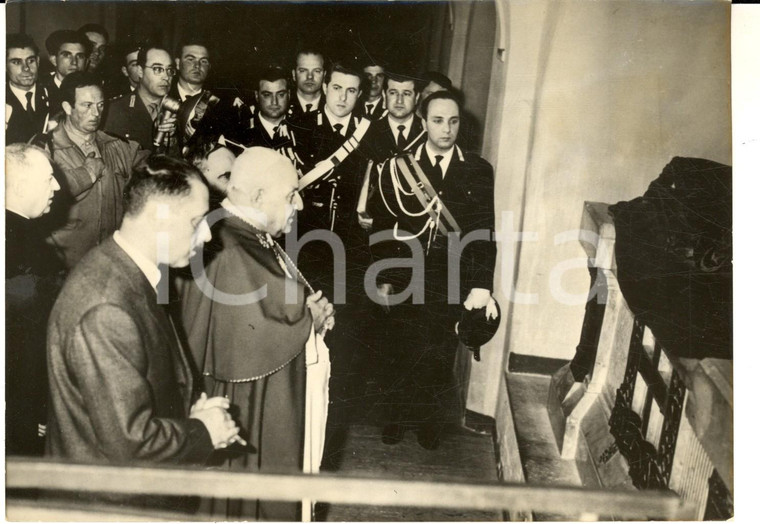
(253, 353)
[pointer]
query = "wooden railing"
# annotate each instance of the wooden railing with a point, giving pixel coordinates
(569, 501)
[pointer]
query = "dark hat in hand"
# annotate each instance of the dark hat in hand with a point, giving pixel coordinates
(475, 329)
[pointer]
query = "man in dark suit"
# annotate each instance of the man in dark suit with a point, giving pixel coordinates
(330, 202)
(421, 354)
(401, 127)
(399, 130)
(373, 104)
(193, 65)
(68, 51)
(308, 75)
(98, 37)
(268, 126)
(129, 79)
(30, 289)
(137, 116)
(120, 383)
(26, 102)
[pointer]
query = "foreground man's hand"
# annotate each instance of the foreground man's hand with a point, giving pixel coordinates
(322, 312)
(214, 415)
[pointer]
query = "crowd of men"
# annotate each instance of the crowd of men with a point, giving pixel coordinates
(337, 188)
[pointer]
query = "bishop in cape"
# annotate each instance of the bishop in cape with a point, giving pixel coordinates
(255, 327)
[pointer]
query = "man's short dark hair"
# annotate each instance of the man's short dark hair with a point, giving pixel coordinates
(190, 40)
(200, 146)
(56, 39)
(142, 55)
(273, 74)
(94, 28)
(401, 77)
(158, 176)
(309, 49)
(20, 41)
(439, 78)
(372, 61)
(129, 48)
(346, 68)
(440, 95)
(76, 80)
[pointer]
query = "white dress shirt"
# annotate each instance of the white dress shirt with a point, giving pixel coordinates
(21, 95)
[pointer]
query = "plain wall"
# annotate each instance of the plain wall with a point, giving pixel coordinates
(593, 99)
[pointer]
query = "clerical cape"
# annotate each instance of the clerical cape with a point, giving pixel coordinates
(252, 344)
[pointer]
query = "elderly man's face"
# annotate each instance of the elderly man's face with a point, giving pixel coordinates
(87, 111)
(98, 53)
(281, 201)
(193, 64)
(22, 67)
(39, 186)
(309, 73)
(273, 98)
(342, 93)
(156, 76)
(69, 58)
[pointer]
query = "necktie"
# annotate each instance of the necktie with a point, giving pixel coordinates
(29, 107)
(153, 110)
(401, 141)
(338, 127)
(369, 108)
(308, 108)
(437, 171)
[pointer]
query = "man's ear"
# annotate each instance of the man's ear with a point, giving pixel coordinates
(176, 63)
(53, 60)
(141, 71)
(416, 99)
(424, 125)
(324, 88)
(294, 75)
(256, 97)
(66, 108)
(124, 71)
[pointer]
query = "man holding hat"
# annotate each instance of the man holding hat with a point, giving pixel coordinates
(435, 209)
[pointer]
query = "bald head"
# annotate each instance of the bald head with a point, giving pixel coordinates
(29, 181)
(259, 168)
(264, 184)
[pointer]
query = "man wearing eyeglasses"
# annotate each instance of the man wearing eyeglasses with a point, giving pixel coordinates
(137, 116)
(26, 102)
(193, 65)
